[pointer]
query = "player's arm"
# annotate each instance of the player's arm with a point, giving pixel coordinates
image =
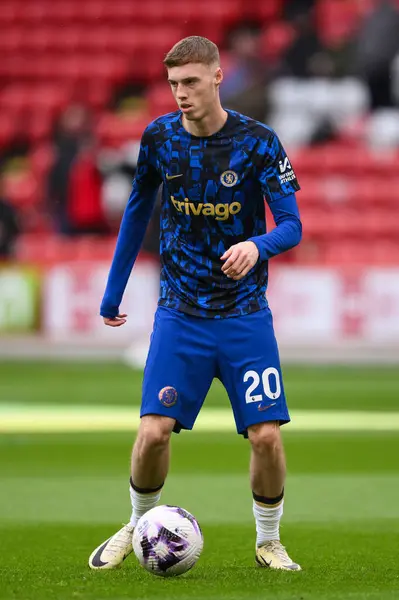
(132, 230)
(279, 185)
(288, 230)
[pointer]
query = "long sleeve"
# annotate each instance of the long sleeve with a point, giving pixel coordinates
(279, 184)
(288, 231)
(133, 227)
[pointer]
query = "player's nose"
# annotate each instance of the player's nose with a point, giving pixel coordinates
(181, 94)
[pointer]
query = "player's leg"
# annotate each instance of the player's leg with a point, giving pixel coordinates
(251, 373)
(267, 463)
(267, 476)
(178, 373)
(149, 464)
(149, 468)
(151, 451)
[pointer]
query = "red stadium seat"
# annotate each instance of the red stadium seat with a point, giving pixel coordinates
(224, 12)
(385, 253)
(345, 252)
(65, 39)
(33, 13)
(161, 40)
(39, 126)
(181, 12)
(7, 129)
(275, 40)
(340, 223)
(102, 38)
(96, 94)
(376, 191)
(379, 223)
(160, 99)
(80, 67)
(212, 30)
(9, 13)
(335, 191)
(121, 12)
(332, 159)
(343, 224)
(11, 39)
(36, 41)
(157, 12)
(383, 162)
(41, 158)
(44, 248)
(344, 160)
(46, 97)
(263, 11)
(64, 12)
(114, 130)
(14, 67)
(315, 223)
(336, 20)
(51, 248)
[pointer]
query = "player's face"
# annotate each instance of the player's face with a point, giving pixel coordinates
(196, 88)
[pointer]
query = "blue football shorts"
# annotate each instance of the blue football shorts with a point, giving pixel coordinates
(187, 352)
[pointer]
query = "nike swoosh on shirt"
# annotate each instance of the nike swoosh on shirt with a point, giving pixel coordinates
(169, 177)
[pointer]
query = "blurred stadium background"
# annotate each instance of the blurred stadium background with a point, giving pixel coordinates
(78, 84)
(79, 81)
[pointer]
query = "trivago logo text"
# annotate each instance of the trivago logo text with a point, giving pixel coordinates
(221, 212)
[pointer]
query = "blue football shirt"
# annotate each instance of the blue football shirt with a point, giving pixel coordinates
(212, 197)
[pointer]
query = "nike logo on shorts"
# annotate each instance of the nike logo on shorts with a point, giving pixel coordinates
(261, 407)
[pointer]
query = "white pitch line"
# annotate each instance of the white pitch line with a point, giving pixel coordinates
(64, 419)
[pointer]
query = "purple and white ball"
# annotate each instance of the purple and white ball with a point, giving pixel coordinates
(167, 541)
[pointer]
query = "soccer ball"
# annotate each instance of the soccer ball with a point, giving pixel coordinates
(167, 541)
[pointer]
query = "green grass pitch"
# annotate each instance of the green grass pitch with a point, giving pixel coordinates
(61, 495)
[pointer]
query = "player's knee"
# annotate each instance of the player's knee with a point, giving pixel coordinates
(154, 432)
(265, 437)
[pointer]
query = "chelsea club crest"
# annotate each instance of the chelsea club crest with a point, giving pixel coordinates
(229, 178)
(168, 396)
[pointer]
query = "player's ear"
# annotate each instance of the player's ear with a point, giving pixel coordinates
(218, 76)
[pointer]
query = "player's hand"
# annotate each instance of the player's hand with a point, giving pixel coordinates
(240, 259)
(115, 321)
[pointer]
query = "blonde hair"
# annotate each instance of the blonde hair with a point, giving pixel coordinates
(193, 49)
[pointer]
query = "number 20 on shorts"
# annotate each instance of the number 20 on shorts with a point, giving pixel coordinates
(267, 375)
